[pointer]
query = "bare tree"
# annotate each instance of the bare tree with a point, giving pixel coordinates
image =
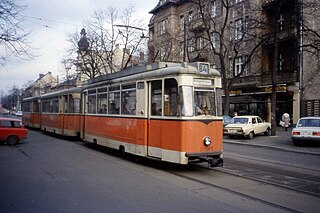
(98, 47)
(13, 39)
(228, 40)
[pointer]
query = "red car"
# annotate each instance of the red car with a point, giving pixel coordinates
(12, 130)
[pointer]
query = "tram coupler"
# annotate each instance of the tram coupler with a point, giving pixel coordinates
(212, 162)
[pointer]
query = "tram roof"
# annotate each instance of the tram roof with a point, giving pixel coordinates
(155, 70)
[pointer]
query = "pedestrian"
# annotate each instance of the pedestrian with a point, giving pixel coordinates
(285, 120)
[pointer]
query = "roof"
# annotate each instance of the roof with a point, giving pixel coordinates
(162, 4)
(9, 119)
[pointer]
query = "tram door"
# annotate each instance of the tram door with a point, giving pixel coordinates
(154, 119)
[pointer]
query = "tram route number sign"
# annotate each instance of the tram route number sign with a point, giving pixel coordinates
(203, 68)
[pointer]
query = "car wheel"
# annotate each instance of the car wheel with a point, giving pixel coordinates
(267, 132)
(12, 140)
(250, 135)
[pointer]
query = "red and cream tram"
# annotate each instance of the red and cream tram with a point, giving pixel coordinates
(31, 116)
(61, 112)
(168, 112)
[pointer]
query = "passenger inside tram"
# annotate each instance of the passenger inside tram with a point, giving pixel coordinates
(155, 110)
(103, 109)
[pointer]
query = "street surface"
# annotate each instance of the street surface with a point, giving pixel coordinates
(45, 173)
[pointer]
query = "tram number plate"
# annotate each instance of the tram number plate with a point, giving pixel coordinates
(206, 149)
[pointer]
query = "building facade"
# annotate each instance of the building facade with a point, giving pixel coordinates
(44, 84)
(257, 46)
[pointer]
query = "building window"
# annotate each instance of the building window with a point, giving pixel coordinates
(190, 16)
(214, 8)
(240, 66)
(239, 29)
(213, 39)
(162, 26)
(201, 43)
(181, 52)
(280, 22)
(280, 62)
(181, 23)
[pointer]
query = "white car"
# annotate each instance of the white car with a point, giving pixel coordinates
(307, 129)
(19, 113)
(247, 126)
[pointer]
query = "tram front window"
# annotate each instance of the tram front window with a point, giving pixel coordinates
(196, 102)
(204, 102)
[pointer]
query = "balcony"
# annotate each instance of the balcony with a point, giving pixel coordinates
(288, 77)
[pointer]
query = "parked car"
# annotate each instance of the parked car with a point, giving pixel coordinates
(226, 120)
(12, 130)
(307, 129)
(19, 113)
(247, 126)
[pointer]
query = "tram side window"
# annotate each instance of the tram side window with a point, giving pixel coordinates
(92, 101)
(204, 102)
(65, 104)
(128, 96)
(73, 105)
(102, 101)
(26, 106)
(36, 106)
(156, 98)
(114, 100)
(171, 98)
(54, 106)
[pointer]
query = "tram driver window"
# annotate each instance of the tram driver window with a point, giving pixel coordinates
(204, 102)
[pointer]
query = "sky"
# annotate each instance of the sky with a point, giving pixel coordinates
(50, 23)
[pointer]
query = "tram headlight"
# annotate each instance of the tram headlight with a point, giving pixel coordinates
(207, 141)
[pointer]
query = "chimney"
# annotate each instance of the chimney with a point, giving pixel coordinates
(41, 76)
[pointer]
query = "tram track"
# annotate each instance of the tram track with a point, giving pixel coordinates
(234, 192)
(289, 176)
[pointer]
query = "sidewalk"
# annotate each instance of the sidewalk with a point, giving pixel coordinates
(282, 140)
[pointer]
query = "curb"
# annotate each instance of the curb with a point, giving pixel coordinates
(272, 147)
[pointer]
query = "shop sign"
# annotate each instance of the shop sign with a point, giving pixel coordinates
(235, 92)
(281, 88)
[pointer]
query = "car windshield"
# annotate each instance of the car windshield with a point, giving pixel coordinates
(309, 123)
(239, 120)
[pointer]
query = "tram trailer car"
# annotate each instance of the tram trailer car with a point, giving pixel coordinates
(31, 116)
(167, 111)
(61, 112)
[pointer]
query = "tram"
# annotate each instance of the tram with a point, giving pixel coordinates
(31, 116)
(61, 113)
(167, 111)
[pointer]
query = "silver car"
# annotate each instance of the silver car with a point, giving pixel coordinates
(307, 129)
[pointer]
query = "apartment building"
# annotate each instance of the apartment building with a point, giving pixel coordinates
(256, 45)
